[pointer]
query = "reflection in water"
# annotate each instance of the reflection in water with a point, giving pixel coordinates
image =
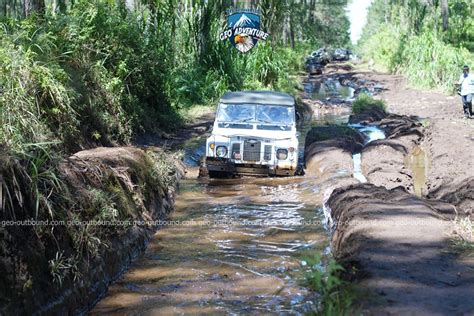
(372, 133)
(416, 161)
(328, 89)
(356, 158)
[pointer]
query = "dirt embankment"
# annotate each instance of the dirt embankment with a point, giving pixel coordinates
(63, 268)
(448, 138)
(384, 162)
(329, 150)
(400, 246)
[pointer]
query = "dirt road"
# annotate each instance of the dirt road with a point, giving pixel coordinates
(395, 231)
(448, 137)
(401, 245)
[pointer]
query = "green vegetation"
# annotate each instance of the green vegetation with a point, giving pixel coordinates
(81, 74)
(99, 72)
(365, 102)
(421, 39)
(463, 240)
(336, 297)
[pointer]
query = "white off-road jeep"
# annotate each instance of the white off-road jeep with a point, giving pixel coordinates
(254, 134)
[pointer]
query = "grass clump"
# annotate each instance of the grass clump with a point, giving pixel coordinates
(336, 296)
(366, 102)
(463, 241)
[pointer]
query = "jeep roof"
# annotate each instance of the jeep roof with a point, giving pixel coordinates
(258, 97)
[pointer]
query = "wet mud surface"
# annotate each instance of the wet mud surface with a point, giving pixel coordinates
(231, 246)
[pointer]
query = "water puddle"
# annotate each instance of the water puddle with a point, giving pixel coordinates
(358, 174)
(416, 161)
(373, 133)
(230, 246)
(328, 90)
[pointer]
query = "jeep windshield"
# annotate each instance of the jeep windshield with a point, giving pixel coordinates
(267, 116)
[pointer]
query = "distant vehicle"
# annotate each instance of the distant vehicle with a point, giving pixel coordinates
(313, 67)
(315, 62)
(254, 133)
(341, 54)
(321, 56)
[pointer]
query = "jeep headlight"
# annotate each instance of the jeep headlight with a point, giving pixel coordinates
(221, 151)
(282, 154)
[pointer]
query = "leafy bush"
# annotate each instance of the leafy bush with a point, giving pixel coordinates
(365, 102)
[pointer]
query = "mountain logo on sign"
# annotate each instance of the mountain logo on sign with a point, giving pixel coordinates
(243, 21)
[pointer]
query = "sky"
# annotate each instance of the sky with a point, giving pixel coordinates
(357, 13)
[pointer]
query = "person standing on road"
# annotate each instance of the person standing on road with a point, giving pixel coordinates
(466, 85)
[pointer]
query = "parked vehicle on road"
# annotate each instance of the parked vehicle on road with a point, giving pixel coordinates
(314, 63)
(341, 54)
(254, 133)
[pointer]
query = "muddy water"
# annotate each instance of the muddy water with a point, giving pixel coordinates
(328, 89)
(417, 162)
(231, 246)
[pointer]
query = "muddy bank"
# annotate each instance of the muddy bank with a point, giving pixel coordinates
(448, 139)
(459, 194)
(396, 235)
(329, 150)
(107, 197)
(398, 246)
(385, 161)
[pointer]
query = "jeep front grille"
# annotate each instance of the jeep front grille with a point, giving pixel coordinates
(235, 149)
(267, 154)
(252, 150)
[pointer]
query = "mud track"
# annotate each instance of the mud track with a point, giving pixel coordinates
(400, 245)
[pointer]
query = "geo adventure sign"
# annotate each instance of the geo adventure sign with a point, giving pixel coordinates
(243, 29)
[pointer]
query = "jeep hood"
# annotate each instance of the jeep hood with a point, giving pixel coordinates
(271, 134)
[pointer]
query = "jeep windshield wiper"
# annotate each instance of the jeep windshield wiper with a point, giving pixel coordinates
(244, 120)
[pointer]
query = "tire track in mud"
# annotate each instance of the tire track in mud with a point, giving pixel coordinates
(398, 243)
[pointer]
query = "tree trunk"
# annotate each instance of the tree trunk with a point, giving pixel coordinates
(292, 33)
(444, 14)
(61, 5)
(33, 6)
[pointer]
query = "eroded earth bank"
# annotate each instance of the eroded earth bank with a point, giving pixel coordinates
(400, 232)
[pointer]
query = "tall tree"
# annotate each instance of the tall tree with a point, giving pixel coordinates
(444, 14)
(61, 5)
(33, 6)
